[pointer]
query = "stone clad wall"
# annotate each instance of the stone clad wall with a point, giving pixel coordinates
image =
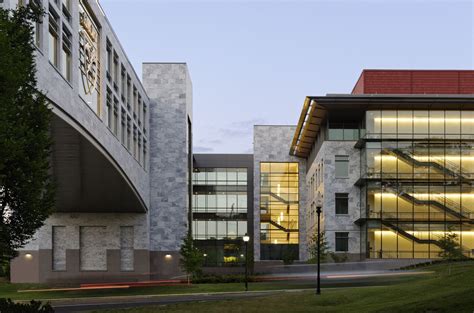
(67, 103)
(331, 185)
(168, 86)
(272, 144)
(74, 230)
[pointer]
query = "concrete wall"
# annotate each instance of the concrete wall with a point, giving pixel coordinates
(331, 222)
(272, 144)
(168, 85)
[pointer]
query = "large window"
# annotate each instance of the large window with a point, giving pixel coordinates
(342, 203)
(37, 26)
(279, 208)
(220, 213)
(53, 38)
(343, 130)
(108, 64)
(66, 61)
(419, 166)
(342, 242)
(342, 166)
(115, 117)
(109, 109)
(421, 124)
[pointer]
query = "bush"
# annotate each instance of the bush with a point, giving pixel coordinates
(219, 279)
(7, 305)
(288, 257)
(339, 257)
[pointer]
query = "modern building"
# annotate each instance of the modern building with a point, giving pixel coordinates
(391, 164)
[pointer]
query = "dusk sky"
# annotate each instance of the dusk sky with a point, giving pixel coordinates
(253, 62)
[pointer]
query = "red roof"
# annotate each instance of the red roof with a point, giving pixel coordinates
(415, 82)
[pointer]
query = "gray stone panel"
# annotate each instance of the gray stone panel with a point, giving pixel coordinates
(272, 144)
(168, 86)
(93, 254)
(126, 248)
(59, 248)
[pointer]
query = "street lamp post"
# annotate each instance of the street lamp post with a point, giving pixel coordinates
(246, 240)
(318, 286)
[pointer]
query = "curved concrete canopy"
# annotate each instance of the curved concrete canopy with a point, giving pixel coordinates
(87, 178)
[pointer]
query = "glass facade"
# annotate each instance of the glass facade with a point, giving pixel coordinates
(279, 209)
(220, 213)
(418, 166)
(343, 130)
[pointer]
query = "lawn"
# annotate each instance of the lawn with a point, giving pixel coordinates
(440, 292)
(11, 290)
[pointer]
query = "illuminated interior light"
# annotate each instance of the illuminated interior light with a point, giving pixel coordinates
(426, 195)
(424, 119)
(426, 158)
(423, 233)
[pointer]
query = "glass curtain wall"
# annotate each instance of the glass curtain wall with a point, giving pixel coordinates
(279, 208)
(419, 167)
(220, 214)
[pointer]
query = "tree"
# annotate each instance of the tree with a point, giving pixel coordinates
(191, 258)
(451, 250)
(26, 187)
(313, 247)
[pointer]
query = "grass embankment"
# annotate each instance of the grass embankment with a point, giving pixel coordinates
(12, 290)
(439, 292)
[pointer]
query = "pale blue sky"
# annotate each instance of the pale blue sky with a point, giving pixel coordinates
(253, 62)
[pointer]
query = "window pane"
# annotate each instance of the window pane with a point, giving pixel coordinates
(336, 134)
(467, 122)
(420, 123)
(373, 122)
(342, 203)
(405, 124)
(453, 122)
(342, 242)
(342, 166)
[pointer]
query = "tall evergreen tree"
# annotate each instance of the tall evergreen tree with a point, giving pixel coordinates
(26, 187)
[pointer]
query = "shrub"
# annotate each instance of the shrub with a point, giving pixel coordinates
(219, 279)
(7, 305)
(339, 257)
(288, 256)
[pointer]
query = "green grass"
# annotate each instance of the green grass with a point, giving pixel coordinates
(440, 292)
(11, 290)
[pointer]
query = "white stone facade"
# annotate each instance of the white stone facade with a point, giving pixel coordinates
(323, 185)
(169, 86)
